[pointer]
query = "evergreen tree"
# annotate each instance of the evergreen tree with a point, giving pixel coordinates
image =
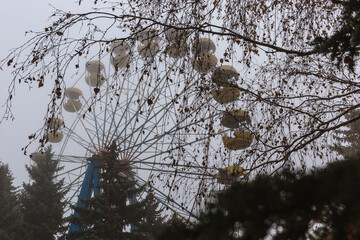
(323, 205)
(152, 222)
(343, 43)
(111, 214)
(348, 140)
(43, 200)
(10, 218)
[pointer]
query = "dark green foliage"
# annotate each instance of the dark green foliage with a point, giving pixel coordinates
(110, 214)
(152, 222)
(288, 205)
(42, 200)
(174, 227)
(343, 44)
(10, 218)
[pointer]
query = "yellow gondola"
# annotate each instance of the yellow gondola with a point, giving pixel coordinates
(204, 62)
(233, 118)
(203, 45)
(230, 174)
(223, 74)
(225, 94)
(241, 140)
(177, 49)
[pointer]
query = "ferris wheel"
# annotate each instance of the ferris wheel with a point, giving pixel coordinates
(175, 131)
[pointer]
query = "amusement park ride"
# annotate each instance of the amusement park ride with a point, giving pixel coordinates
(168, 131)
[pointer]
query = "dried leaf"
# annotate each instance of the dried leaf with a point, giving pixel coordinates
(10, 61)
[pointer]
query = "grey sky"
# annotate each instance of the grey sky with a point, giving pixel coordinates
(29, 107)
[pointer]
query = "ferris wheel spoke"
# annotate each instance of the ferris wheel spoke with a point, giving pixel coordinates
(69, 158)
(171, 149)
(138, 110)
(150, 118)
(166, 200)
(125, 113)
(69, 171)
(190, 166)
(185, 168)
(105, 114)
(151, 109)
(172, 131)
(174, 171)
(112, 109)
(71, 199)
(78, 139)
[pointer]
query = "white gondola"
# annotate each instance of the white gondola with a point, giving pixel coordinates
(119, 47)
(55, 123)
(94, 66)
(147, 35)
(72, 105)
(37, 156)
(73, 93)
(55, 137)
(95, 80)
(120, 60)
(148, 49)
(173, 34)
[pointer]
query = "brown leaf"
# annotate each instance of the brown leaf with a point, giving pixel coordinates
(348, 60)
(58, 92)
(10, 61)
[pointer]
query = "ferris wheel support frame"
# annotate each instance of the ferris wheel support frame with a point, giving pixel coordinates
(90, 183)
(89, 186)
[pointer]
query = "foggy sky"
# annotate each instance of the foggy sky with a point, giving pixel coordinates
(29, 107)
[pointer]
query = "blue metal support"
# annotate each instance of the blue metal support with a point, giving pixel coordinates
(89, 186)
(90, 183)
(96, 179)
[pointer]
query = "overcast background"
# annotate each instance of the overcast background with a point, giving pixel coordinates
(17, 17)
(29, 106)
